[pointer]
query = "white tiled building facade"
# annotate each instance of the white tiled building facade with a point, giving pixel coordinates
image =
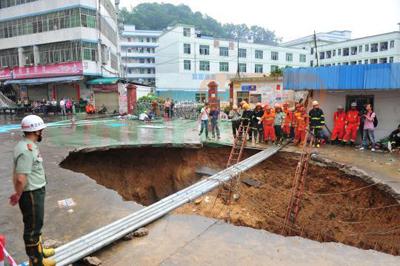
(186, 62)
(377, 49)
(76, 37)
(138, 54)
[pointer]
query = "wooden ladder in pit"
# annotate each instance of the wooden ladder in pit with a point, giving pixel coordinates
(298, 186)
(239, 143)
(234, 157)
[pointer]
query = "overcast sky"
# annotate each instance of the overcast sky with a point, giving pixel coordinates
(291, 19)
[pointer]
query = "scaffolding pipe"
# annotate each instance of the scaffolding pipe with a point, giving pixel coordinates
(87, 244)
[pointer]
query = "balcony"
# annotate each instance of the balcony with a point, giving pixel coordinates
(139, 44)
(138, 55)
(140, 65)
(138, 75)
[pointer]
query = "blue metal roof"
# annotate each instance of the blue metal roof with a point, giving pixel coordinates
(351, 77)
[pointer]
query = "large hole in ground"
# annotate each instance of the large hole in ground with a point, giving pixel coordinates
(367, 217)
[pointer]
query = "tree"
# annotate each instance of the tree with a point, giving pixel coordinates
(155, 16)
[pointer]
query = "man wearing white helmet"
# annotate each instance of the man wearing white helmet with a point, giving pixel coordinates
(317, 122)
(29, 183)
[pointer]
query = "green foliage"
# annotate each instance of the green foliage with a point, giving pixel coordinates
(149, 98)
(158, 16)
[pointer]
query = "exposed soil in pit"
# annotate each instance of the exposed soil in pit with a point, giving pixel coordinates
(356, 218)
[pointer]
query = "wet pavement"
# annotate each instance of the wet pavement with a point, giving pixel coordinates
(175, 239)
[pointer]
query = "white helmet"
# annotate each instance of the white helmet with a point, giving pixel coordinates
(314, 103)
(32, 123)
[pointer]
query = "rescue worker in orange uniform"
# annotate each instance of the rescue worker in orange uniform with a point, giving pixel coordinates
(339, 120)
(268, 121)
(287, 123)
(302, 121)
(352, 124)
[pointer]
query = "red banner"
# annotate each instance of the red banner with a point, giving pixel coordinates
(56, 70)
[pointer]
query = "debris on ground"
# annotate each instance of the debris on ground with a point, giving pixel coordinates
(51, 243)
(204, 170)
(66, 203)
(251, 182)
(92, 261)
(198, 201)
(141, 232)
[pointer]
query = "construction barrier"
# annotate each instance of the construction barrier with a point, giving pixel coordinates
(5, 258)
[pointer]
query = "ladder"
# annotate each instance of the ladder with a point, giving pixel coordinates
(298, 186)
(238, 144)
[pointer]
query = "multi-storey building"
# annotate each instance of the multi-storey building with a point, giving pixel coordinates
(49, 49)
(138, 54)
(382, 48)
(321, 38)
(187, 61)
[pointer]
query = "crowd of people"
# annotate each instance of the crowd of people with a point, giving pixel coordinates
(45, 106)
(279, 122)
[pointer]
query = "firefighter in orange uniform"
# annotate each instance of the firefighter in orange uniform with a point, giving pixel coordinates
(339, 119)
(352, 125)
(287, 123)
(268, 120)
(302, 121)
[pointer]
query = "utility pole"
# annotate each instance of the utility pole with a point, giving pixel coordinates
(316, 48)
(238, 70)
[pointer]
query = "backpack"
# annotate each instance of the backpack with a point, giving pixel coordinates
(375, 121)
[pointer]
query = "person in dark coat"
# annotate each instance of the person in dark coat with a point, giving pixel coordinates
(317, 122)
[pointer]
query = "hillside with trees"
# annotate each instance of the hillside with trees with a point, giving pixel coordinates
(158, 16)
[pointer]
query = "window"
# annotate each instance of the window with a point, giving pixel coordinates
(321, 55)
(303, 58)
(334, 53)
(274, 56)
(367, 47)
(186, 48)
(259, 54)
(359, 62)
(204, 49)
(223, 51)
(242, 52)
(255, 98)
(224, 67)
(242, 67)
(67, 52)
(391, 44)
(289, 57)
(383, 60)
(345, 63)
(360, 48)
(9, 58)
(9, 3)
(187, 65)
(274, 68)
(339, 52)
(311, 63)
(186, 32)
(374, 47)
(200, 97)
(258, 68)
(366, 61)
(346, 51)
(353, 63)
(328, 54)
(353, 50)
(383, 46)
(312, 50)
(242, 96)
(373, 61)
(391, 59)
(205, 65)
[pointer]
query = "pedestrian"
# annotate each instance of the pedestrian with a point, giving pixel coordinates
(171, 109)
(268, 120)
(62, 107)
(167, 108)
(234, 116)
(68, 105)
(339, 120)
(204, 114)
(352, 124)
(287, 129)
(278, 123)
(246, 119)
(256, 127)
(369, 128)
(317, 122)
(302, 121)
(29, 182)
(214, 116)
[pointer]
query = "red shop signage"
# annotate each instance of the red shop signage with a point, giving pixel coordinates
(61, 69)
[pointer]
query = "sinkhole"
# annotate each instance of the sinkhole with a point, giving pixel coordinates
(336, 207)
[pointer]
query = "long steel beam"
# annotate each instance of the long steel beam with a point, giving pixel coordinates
(87, 244)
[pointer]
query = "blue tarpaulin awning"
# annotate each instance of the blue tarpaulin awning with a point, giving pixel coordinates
(351, 77)
(39, 81)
